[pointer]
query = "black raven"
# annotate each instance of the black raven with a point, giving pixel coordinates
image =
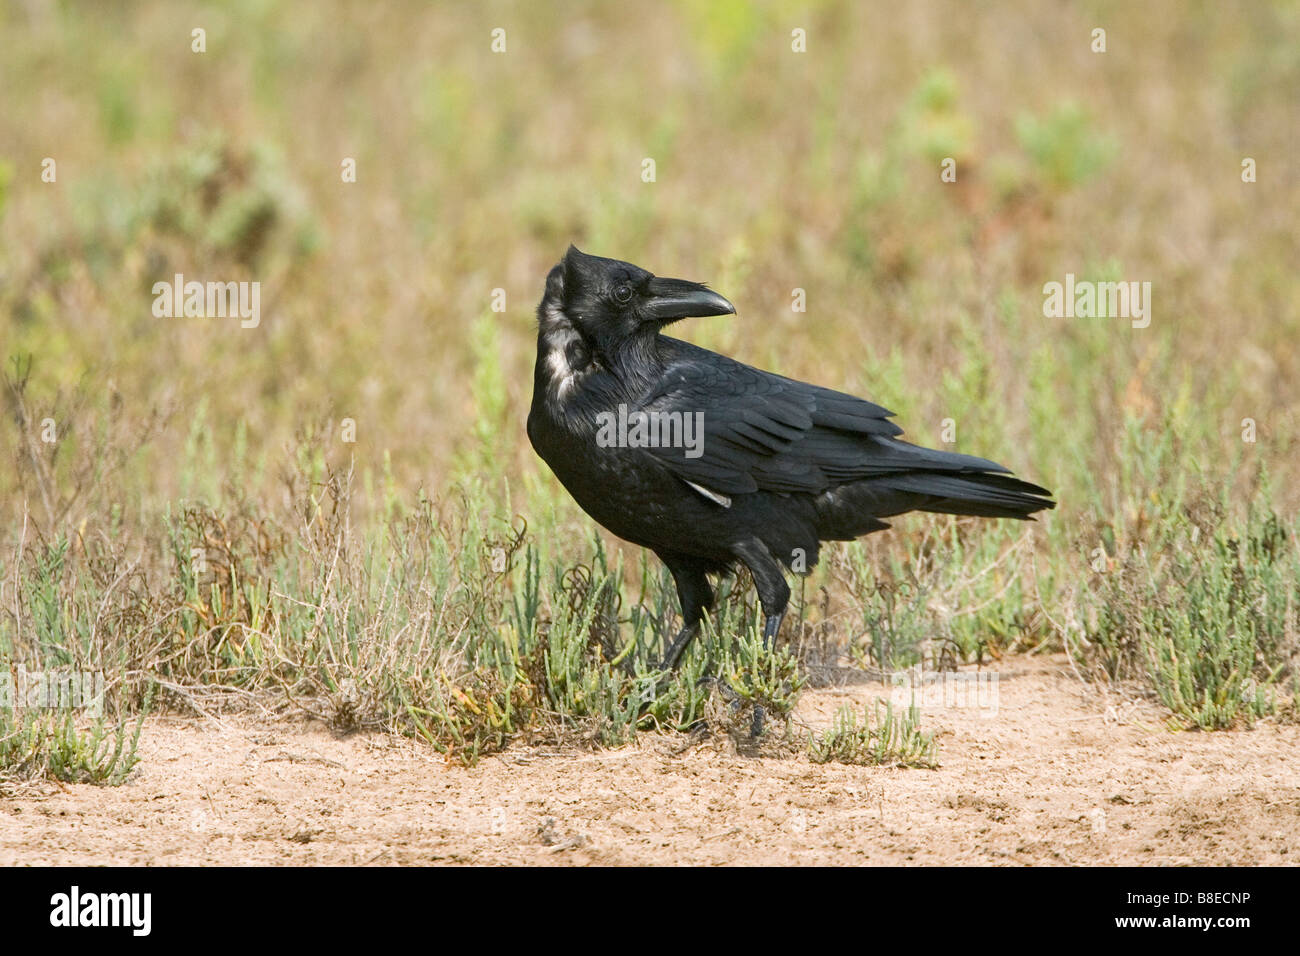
(709, 462)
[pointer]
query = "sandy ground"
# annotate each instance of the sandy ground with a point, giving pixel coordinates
(1056, 776)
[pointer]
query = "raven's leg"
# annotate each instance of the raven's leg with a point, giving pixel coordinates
(769, 581)
(773, 595)
(696, 597)
(771, 625)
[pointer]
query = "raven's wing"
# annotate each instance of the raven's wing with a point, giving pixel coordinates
(759, 431)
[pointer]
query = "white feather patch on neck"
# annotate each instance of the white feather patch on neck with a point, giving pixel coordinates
(558, 333)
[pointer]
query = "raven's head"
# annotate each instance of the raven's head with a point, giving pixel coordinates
(605, 314)
(608, 302)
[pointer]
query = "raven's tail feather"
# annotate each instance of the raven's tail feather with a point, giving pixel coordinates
(856, 509)
(982, 495)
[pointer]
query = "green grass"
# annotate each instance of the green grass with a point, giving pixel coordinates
(66, 746)
(1209, 623)
(880, 737)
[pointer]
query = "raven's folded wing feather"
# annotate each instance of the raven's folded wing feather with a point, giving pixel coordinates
(762, 431)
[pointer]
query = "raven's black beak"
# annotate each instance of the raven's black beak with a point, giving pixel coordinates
(672, 299)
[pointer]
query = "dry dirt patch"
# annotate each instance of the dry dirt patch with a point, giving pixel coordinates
(1054, 777)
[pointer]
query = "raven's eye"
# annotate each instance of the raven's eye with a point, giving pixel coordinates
(623, 293)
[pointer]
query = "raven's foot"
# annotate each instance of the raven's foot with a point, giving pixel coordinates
(725, 690)
(735, 705)
(677, 648)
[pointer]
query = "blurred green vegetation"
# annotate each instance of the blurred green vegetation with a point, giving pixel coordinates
(776, 170)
